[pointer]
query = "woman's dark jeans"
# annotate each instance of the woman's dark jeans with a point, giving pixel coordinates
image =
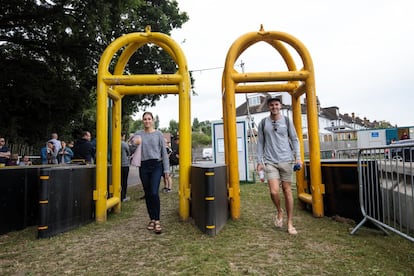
(150, 173)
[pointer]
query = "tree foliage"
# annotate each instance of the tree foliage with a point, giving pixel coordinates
(200, 139)
(173, 127)
(202, 127)
(50, 50)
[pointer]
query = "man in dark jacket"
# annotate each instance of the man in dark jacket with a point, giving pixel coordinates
(83, 148)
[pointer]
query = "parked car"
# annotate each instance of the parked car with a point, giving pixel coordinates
(208, 153)
(405, 153)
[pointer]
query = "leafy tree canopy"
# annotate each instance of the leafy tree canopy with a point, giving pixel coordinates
(50, 50)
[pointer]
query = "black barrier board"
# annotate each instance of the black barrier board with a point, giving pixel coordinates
(65, 199)
(340, 177)
(18, 198)
(209, 203)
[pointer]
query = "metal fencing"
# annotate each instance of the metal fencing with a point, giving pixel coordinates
(386, 188)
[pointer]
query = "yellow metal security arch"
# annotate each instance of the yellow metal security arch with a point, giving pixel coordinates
(296, 83)
(115, 86)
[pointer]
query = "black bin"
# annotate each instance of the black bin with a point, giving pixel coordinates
(209, 203)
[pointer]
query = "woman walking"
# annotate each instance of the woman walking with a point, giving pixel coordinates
(154, 163)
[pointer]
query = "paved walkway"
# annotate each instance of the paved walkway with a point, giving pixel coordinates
(133, 177)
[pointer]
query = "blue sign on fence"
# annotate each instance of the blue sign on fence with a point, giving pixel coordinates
(375, 134)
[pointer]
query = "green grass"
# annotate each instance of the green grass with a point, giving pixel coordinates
(248, 246)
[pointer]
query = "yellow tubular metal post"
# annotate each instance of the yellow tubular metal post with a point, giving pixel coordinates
(116, 157)
(185, 139)
(294, 78)
(121, 85)
(284, 87)
(101, 151)
(231, 144)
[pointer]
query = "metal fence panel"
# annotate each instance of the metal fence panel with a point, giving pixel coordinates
(386, 179)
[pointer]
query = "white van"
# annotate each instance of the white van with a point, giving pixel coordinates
(208, 153)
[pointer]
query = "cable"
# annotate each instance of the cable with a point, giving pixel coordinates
(213, 68)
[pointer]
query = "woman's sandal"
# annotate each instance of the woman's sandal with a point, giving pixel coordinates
(157, 227)
(151, 225)
(292, 230)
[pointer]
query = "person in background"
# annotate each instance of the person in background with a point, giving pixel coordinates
(48, 154)
(71, 144)
(125, 154)
(167, 180)
(65, 154)
(277, 149)
(83, 149)
(175, 154)
(404, 136)
(4, 152)
(14, 160)
(25, 161)
(154, 163)
(55, 141)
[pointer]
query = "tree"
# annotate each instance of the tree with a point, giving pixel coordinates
(156, 122)
(205, 127)
(200, 139)
(49, 51)
(173, 127)
(137, 125)
(202, 127)
(196, 125)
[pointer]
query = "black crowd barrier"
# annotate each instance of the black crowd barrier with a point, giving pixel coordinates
(18, 198)
(209, 203)
(340, 177)
(65, 198)
(55, 198)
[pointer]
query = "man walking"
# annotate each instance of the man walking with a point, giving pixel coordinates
(277, 150)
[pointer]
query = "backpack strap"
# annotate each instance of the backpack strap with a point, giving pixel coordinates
(287, 125)
(288, 130)
(287, 121)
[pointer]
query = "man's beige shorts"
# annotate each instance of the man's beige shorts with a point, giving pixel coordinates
(282, 171)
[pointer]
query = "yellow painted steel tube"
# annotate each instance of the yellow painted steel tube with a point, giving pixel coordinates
(286, 87)
(172, 83)
(305, 75)
(153, 89)
(230, 138)
(143, 79)
(269, 76)
(101, 150)
(112, 202)
(225, 135)
(314, 149)
(114, 94)
(185, 148)
(126, 55)
(115, 154)
(184, 132)
(297, 120)
(299, 91)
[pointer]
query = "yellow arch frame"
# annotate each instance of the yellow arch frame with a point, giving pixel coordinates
(117, 85)
(296, 83)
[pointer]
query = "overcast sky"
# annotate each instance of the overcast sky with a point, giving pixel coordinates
(361, 50)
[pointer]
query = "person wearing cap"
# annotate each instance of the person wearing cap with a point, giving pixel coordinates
(277, 150)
